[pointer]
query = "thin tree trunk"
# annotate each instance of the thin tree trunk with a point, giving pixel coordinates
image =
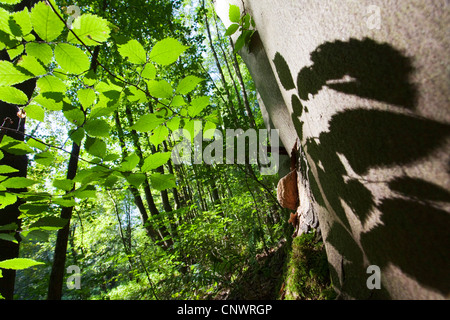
(151, 232)
(219, 67)
(242, 85)
(227, 64)
(146, 185)
(59, 260)
(174, 190)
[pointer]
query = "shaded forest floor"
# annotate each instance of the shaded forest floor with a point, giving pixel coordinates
(262, 280)
(293, 270)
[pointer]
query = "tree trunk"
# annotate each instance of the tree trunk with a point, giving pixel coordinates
(10, 214)
(59, 260)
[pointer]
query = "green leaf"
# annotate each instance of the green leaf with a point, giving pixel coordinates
(91, 29)
(32, 209)
(211, 127)
(188, 84)
(86, 191)
(63, 184)
(35, 235)
(178, 101)
(41, 51)
(49, 223)
(240, 42)
(162, 181)
(231, 29)
(13, 146)
(10, 1)
(4, 169)
(13, 96)
(149, 71)
(174, 123)
(18, 183)
(246, 21)
(10, 75)
(86, 97)
(15, 51)
(32, 65)
(77, 135)
(159, 135)
(197, 105)
(130, 162)
(35, 112)
(23, 22)
(234, 13)
(33, 143)
(49, 104)
(97, 128)
(8, 237)
(95, 147)
(137, 95)
(147, 123)
(136, 179)
(7, 199)
(159, 89)
(167, 51)
(73, 114)
(44, 158)
(51, 84)
(65, 202)
(133, 51)
(45, 22)
(71, 58)
(19, 264)
(155, 161)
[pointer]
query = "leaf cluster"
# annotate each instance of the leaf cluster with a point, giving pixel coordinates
(244, 23)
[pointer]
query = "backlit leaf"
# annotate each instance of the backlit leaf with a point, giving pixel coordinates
(160, 89)
(155, 161)
(95, 147)
(197, 105)
(63, 184)
(10, 75)
(188, 84)
(133, 51)
(167, 51)
(41, 51)
(234, 13)
(13, 95)
(91, 29)
(18, 183)
(45, 22)
(19, 264)
(71, 58)
(7, 199)
(147, 123)
(35, 112)
(159, 135)
(162, 181)
(97, 128)
(4, 169)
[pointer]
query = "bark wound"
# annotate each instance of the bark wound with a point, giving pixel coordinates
(287, 189)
